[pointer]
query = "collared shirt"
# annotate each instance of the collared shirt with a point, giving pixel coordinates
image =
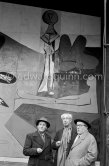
(43, 137)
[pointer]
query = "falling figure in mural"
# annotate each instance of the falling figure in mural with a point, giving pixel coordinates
(49, 17)
(47, 83)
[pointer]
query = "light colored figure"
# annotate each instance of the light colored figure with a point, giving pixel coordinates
(47, 83)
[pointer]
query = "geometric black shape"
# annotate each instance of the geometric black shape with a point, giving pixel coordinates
(50, 17)
(2, 102)
(2, 40)
(50, 35)
(7, 78)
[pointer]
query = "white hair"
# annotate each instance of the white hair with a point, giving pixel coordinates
(67, 115)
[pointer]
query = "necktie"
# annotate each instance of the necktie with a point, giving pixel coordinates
(43, 137)
(77, 138)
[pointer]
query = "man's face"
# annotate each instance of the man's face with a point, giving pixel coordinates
(66, 121)
(81, 127)
(42, 127)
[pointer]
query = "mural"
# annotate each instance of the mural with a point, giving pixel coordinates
(5, 78)
(63, 73)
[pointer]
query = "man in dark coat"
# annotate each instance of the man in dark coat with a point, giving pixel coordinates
(38, 145)
(63, 140)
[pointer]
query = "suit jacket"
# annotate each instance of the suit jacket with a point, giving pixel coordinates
(83, 152)
(58, 137)
(34, 141)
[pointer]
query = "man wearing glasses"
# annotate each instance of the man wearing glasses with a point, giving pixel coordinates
(84, 149)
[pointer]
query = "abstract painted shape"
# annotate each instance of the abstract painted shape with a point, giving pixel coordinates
(2, 102)
(73, 56)
(21, 64)
(71, 63)
(2, 40)
(86, 102)
(50, 17)
(7, 78)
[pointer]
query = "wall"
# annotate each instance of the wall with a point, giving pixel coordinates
(23, 56)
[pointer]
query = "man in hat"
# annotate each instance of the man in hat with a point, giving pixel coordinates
(84, 149)
(63, 140)
(38, 145)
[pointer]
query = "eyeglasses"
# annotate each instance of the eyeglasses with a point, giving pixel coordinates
(80, 125)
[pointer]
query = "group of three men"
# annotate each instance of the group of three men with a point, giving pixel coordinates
(72, 148)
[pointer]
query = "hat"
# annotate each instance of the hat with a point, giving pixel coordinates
(84, 121)
(43, 119)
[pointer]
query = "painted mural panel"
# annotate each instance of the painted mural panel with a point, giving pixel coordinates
(53, 67)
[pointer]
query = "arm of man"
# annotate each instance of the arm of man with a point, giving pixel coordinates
(28, 150)
(55, 143)
(91, 155)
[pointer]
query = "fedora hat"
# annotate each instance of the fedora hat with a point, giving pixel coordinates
(84, 121)
(43, 119)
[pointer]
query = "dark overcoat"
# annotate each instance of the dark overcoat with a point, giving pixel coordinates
(58, 138)
(34, 141)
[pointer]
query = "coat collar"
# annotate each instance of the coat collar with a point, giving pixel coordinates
(82, 137)
(36, 133)
(39, 139)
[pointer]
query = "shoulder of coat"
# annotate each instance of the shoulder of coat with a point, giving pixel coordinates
(32, 134)
(48, 135)
(92, 137)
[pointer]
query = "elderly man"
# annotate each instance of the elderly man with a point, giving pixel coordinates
(38, 145)
(84, 149)
(63, 140)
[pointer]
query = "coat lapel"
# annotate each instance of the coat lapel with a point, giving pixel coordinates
(47, 141)
(60, 134)
(39, 139)
(76, 143)
(79, 140)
